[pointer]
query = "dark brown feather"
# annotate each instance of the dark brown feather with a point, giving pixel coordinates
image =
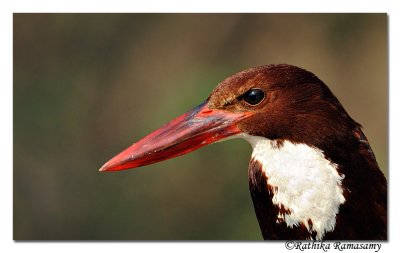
(300, 108)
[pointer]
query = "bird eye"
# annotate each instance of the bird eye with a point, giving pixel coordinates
(254, 96)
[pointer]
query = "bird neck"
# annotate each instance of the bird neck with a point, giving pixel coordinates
(305, 189)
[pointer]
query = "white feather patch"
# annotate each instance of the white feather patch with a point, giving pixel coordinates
(305, 183)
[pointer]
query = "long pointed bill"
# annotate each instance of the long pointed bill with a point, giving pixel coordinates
(190, 131)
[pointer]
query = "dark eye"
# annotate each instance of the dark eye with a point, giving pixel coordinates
(253, 96)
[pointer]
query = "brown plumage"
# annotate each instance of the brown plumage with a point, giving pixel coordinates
(300, 108)
(290, 105)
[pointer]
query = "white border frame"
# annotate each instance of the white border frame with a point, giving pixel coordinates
(8, 7)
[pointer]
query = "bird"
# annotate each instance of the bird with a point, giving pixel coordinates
(312, 174)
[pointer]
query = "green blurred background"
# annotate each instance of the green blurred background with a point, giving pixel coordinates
(88, 85)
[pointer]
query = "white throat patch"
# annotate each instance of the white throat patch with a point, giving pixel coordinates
(302, 181)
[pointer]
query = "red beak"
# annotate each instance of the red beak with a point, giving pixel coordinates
(188, 132)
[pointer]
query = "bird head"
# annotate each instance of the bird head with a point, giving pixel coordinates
(275, 101)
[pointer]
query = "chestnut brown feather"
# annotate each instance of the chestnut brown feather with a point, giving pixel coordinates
(300, 108)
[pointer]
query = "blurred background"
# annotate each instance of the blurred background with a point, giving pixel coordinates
(87, 86)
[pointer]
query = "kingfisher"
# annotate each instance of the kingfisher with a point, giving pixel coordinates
(312, 173)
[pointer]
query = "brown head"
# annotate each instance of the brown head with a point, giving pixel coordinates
(286, 102)
(278, 102)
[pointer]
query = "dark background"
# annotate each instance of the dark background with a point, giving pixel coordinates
(88, 85)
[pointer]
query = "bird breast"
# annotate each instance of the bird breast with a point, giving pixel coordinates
(302, 182)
